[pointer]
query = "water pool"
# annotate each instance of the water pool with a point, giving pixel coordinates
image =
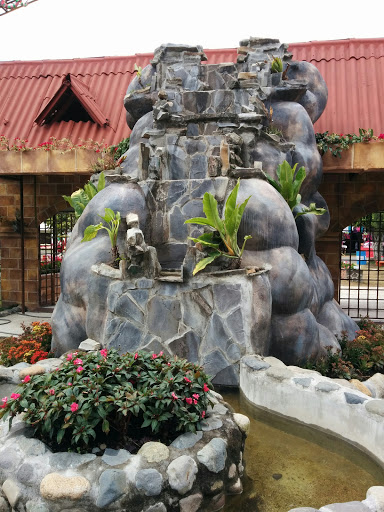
(291, 465)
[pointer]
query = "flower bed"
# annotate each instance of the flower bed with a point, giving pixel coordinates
(31, 346)
(193, 472)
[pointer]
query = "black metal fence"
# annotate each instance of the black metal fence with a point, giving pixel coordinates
(54, 234)
(362, 268)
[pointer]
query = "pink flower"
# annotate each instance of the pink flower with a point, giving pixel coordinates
(51, 391)
(188, 400)
(26, 379)
(203, 414)
(79, 369)
(174, 396)
(97, 366)
(161, 353)
(205, 388)
(69, 357)
(104, 352)
(74, 407)
(169, 364)
(381, 136)
(78, 361)
(154, 356)
(15, 396)
(196, 396)
(69, 383)
(136, 355)
(187, 380)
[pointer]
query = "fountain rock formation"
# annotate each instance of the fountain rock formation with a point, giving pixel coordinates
(195, 129)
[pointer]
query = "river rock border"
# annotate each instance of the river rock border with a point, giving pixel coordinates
(194, 473)
(352, 410)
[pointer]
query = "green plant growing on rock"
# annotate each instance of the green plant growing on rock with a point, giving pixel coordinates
(289, 184)
(277, 65)
(123, 400)
(80, 198)
(112, 220)
(223, 240)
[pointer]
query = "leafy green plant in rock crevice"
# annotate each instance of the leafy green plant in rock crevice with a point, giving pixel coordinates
(112, 220)
(289, 184)
(222, 241)
(80, 198)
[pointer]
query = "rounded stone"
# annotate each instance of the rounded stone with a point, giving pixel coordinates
(377, 383)
(360, 386)
(59, 487)
(187, 440)
(182, 474)
(375, 498)
(375, 407)
(242, 422)
(12, 491)
(25, 473)
(35, 369)
(113, 485)
(214, 455)
(236, 488)
(150, 481)
(154, 452)
(191, 503)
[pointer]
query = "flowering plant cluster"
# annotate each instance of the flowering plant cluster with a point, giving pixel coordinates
(359, 358)
(63, 145)
(336, 143)
(47, 266)
(348, 266)
(31, 346)
(123, 400)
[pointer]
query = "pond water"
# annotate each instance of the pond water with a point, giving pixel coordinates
(290, 465)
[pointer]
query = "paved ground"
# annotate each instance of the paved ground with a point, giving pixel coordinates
(361, 301)
(11, 324)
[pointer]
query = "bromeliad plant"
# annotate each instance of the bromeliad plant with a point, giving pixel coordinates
(112, 220)
(222, 241)
(289, 184)
(123, 400)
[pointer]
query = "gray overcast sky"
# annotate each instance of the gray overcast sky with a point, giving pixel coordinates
(58, 29)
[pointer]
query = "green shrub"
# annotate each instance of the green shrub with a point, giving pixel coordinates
(359, 358)
(123, 400)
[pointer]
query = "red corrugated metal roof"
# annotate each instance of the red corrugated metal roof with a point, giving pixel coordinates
(352, 68)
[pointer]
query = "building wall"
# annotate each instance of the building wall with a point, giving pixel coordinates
(42, 198)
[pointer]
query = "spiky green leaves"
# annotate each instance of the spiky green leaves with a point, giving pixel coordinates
(225, 229)
(289, 184)
(80, 198)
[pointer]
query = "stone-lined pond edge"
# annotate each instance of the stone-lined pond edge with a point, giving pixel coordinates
(331, 405)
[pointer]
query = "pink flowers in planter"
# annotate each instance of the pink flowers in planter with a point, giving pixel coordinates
(74, 407)
(79, 369)
(104, 352)
(78, 361)
(26, 379)
(15, 396)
